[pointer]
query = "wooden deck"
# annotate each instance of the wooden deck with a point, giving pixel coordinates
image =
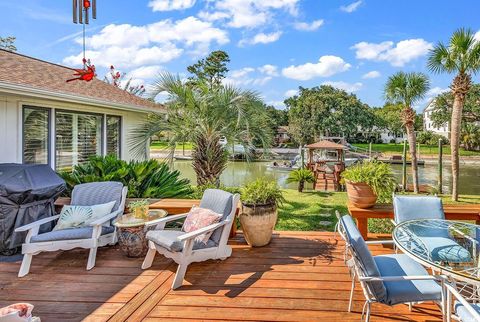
(300, 276)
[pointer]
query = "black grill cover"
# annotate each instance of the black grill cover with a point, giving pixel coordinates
(27, 194)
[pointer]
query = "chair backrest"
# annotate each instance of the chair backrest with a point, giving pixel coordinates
(95, 193)
(414, 207)
(223, 203)
(363, 257)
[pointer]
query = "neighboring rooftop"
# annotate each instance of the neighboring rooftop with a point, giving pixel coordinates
(25, 71)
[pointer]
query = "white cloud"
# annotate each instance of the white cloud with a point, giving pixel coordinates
(351, 7)
(305, 26)
(348, 87)
(477, 36)
(145, 72)
(436, 91)
(127, 46)
(372, 74)
(277, 104)
(261, 38)
(291, 92)
(397, 55)
(326, 66)
(270, 70)
(248, 13)
(169, 5)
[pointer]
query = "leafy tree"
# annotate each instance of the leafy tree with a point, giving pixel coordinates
(408, 88)
(326, 111)
(8, 43)
(211, 69)
(462, 57)
(470, 137)
(202, 114)
(276, 117)
(443, 103)
(388, 118)
(116, 79)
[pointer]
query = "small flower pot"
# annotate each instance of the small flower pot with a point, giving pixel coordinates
(360, 194)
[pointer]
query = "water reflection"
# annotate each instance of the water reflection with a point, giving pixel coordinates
(239, 173)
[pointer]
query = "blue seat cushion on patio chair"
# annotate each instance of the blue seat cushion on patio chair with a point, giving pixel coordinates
(69, 234)
(168, 239)
(463, 313)
(446, 250)
(413, 207)
(406, 291)
(95, 193)
(365, 257)
(220, 202)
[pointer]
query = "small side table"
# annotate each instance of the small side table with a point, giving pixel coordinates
(132, 231)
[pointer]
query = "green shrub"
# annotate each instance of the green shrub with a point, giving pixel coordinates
(144, 179)
(301, 176)
(262, 192)
(430, 138)
(378, 175)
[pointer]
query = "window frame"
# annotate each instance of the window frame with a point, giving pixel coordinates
(49, 130)
(120, 136)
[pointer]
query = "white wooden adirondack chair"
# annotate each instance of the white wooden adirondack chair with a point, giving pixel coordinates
(99, 234)
(182, 247)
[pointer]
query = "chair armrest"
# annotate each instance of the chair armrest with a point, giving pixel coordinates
(36, 223)
(105, 218)
(201, 231)
(375, 242)
(165, 219)
(462, 300)
(398, 278)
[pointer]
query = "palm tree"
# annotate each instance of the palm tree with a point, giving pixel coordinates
(202, 115)
(301, 176)
(406, 89)
(462, 57)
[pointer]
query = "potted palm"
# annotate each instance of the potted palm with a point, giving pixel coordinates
(260, 200)
(301, 176)
(368, 182)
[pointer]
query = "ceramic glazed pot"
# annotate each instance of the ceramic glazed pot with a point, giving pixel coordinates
(257, 223)
(360, 194)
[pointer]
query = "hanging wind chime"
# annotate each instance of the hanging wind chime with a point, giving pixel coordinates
(81, 10)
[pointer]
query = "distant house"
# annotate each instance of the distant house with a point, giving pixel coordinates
(379, 135)
(45, 120)
(282, 135)
(428, 123)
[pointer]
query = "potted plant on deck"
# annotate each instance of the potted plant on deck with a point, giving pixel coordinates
(139, 208)
(260, 200)
(368, 182)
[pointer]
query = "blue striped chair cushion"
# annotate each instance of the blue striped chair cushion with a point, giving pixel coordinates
(413, 207)
(220, 202)
(69, 234)
(95, 193)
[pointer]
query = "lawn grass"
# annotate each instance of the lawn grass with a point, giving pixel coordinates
(315, 210)
(162, 145)
(391, 148)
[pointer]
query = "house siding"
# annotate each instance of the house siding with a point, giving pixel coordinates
(11, 123)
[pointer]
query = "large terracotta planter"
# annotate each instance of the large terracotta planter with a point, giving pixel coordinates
(258, 223)
(360, 194)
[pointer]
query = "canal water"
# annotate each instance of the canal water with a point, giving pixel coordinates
(239, 173)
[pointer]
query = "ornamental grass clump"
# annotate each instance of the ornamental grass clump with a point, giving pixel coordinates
(377, 175)
(262, 192)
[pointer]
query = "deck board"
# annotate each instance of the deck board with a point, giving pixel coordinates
(300, 276)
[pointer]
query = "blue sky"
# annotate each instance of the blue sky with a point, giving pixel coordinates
(274, 45)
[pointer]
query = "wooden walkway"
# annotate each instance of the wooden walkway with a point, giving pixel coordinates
(300, 276)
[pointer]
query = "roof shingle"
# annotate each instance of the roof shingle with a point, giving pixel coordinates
(23, 70)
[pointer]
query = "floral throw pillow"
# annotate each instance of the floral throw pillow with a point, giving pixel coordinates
(199, 218)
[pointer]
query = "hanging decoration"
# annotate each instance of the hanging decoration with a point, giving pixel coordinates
(81, 13)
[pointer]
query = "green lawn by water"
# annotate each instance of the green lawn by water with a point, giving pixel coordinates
(390, 148)
(315, 210)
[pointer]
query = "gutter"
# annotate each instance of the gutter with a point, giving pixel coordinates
(59, 96)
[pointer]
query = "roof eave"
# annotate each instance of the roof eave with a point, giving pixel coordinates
(46, 94)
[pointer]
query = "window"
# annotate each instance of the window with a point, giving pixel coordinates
(113, 134)
(35, 135)
(78, 137)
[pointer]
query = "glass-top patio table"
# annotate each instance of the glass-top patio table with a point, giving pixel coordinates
(447, 247)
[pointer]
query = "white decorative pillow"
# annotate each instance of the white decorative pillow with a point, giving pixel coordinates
(73, 217)
(80, 216)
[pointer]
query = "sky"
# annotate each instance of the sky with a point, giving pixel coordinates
(275, 46)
